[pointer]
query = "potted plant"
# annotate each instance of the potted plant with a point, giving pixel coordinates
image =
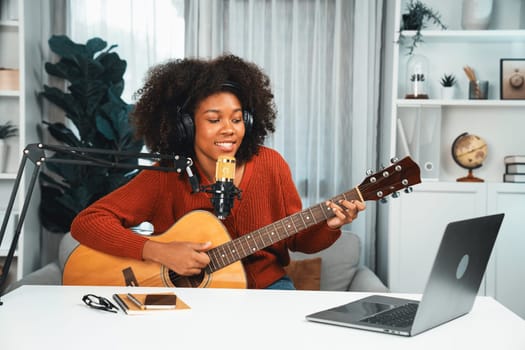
(448, 81)
(417, 16)
(7, 130)
(93, 104)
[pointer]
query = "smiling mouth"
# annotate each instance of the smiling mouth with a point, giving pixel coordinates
(225, 144)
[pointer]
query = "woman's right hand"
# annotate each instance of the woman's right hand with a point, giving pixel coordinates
(185, 258)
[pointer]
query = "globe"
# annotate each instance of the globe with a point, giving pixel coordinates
(469, 152)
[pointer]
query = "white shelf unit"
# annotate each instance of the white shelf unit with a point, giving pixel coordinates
(411, 226)
(20, 48)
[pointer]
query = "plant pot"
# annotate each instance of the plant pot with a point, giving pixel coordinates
(409, 23)
(447, 92)
(4, 149)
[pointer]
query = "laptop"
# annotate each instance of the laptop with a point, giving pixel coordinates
(450, 291)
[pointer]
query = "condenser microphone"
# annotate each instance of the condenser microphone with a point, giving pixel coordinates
(223, 191)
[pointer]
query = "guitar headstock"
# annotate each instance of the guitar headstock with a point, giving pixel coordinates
(397, 176)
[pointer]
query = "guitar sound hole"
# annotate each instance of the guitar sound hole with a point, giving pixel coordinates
(186, 281)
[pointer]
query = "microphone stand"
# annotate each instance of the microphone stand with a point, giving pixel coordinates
(81, 156)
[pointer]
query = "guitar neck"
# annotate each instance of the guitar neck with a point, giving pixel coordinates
(248, 244)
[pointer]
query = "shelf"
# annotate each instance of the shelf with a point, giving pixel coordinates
(9, 23)
(459, 103)
(4, 252)
(7, 176)
(9, 93)
(470, 36)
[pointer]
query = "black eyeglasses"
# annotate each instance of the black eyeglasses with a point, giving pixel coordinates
(99, 303)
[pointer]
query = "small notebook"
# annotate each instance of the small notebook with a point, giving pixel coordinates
(139, 303)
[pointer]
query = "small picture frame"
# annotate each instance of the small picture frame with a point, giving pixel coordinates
(512, 74)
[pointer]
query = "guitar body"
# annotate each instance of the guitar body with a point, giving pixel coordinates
(86, 266)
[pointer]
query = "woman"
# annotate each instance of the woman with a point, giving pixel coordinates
(206, 109)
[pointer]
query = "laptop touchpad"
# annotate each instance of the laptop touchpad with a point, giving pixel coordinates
(374, 308)
(360, 309)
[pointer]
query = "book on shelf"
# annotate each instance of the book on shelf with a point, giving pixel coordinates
(515, 168)
(513, 159)
(142, 303)
(513, 177)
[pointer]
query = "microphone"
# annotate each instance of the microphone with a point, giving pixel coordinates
(223, 190)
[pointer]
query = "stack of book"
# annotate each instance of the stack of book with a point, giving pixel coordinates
(514, 169)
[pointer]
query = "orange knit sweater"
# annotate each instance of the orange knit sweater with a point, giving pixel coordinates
(268, 194)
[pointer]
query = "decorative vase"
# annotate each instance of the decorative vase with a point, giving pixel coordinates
(476, 14)
(416, 77)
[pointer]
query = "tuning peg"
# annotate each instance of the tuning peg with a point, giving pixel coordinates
(383, 200)
(382, 166)
(369, 172)
(394, 160)
(395, 194)
(409, 190)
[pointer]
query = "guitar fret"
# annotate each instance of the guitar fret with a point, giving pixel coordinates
(270, 233)
(287, 226)
(229, 250)
(264, 235)
(221, 254)
(323, 211)
(312, 215)
(234, 251)
(213, 259)
(301, 215)
(275, 232)
(283, 234)
(250, 238)
(243, 246)
(296, 222)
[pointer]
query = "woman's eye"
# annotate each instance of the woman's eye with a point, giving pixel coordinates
(236, 121)
(213, 121)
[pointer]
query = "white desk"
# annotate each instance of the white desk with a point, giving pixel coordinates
(46, 317)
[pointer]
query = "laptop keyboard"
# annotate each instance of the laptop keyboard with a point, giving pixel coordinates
(400, 316)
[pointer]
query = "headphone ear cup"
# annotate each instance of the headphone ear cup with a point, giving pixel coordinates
(186, 128)
(247, 117)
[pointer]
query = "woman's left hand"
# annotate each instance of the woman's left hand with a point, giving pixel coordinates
(345, 212)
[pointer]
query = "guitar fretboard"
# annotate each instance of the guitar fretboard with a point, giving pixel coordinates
(250, 243)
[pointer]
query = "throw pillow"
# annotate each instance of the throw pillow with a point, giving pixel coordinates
(305, 274)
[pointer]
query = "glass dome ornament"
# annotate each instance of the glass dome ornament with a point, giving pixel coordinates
(416, 77)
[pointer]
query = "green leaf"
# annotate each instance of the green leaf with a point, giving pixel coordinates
(63, 134)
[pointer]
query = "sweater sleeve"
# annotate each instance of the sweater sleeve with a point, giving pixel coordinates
(104, 225)
(314, 238)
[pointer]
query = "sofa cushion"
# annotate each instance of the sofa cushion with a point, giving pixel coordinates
(66, 247)
(339, 262)
(305, 273)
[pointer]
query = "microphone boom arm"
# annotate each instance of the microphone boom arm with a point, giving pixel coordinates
(36, 153)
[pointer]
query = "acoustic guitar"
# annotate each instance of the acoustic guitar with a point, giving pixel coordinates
(86, 266)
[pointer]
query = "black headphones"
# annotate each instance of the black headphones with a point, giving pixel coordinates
(186, 127)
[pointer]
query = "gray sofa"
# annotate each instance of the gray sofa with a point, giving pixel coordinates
(339, 267)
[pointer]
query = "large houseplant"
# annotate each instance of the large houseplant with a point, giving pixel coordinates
(94, 105)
